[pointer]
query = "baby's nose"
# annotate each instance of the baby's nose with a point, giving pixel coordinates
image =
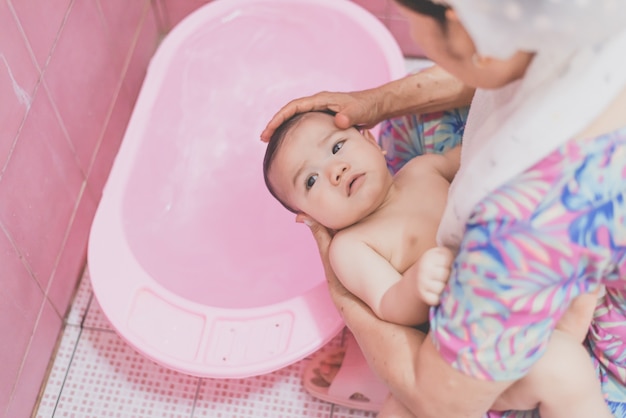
(338, 171)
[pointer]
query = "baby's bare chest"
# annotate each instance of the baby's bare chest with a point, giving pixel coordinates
(403, 236)
(408, 237)
(407, 227)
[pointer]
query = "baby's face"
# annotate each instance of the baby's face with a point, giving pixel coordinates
(337, 177)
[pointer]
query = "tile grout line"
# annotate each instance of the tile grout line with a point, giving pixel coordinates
(195, 398)
(80, 333)
(69, 366)
(84, 318)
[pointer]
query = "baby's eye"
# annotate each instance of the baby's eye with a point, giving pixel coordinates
(310, 181)
(337, 147)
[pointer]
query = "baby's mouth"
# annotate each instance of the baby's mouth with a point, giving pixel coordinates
(354, 183)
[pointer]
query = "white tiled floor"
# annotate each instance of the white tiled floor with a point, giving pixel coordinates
(96, 374)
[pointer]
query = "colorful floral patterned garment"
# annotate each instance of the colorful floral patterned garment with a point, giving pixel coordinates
(405, 137)
(556, 231)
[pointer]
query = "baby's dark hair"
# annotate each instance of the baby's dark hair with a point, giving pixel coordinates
(274, 144)
(427, 8)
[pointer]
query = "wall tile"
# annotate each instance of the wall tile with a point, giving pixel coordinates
(73, 255)
(121, 20)
(35, 363)
(402, 32)
(49, 135)
(144, 50)
(158, 8)
(18, 78)
(109, 146)
(176, 10)
(39, 189)
(377, 7)
(83, 78)
(41, 20)
(20, 299)
(394, 10)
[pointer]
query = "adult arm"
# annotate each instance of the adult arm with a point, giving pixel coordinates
(388, 348)
(429, 90)
(405, 359)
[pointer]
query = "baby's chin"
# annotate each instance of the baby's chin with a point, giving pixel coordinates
(338, 226)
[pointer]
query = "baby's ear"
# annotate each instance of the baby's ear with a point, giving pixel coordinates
(369, 136)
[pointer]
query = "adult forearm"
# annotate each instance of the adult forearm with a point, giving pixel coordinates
(429, 90)
(413, 370)
(446, 392)
(389, 349)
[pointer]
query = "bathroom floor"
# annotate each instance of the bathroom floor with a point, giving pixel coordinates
(96, 374)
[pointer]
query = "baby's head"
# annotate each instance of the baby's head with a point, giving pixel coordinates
(335, 176)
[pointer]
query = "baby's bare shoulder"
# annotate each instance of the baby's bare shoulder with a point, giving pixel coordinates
(422, 165)
(427, 165)
(372, 233)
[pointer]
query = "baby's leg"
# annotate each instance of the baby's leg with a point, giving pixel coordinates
(563, 383)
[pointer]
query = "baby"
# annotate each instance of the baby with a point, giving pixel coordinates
(340, 179)
(384, 249)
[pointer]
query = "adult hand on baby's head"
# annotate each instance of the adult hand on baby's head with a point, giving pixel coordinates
(355, 108)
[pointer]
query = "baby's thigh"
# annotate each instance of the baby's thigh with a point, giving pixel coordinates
(553, 382)
(605, 341)
(515, 398)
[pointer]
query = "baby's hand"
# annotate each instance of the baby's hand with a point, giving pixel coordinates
(432, 274)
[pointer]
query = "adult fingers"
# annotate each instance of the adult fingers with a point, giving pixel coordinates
(321, 234)
(351, 109)
(319, 101)
(359, 108)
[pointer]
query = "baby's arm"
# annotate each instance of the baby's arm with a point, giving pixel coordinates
(367, 274)
(433, 272)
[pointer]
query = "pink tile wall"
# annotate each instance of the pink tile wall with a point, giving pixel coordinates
(70, 71)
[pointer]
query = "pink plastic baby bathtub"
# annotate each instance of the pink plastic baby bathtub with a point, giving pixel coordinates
(192, 261)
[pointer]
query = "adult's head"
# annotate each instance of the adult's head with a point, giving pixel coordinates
(436, 27)
(488, 43)
(335, 176)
